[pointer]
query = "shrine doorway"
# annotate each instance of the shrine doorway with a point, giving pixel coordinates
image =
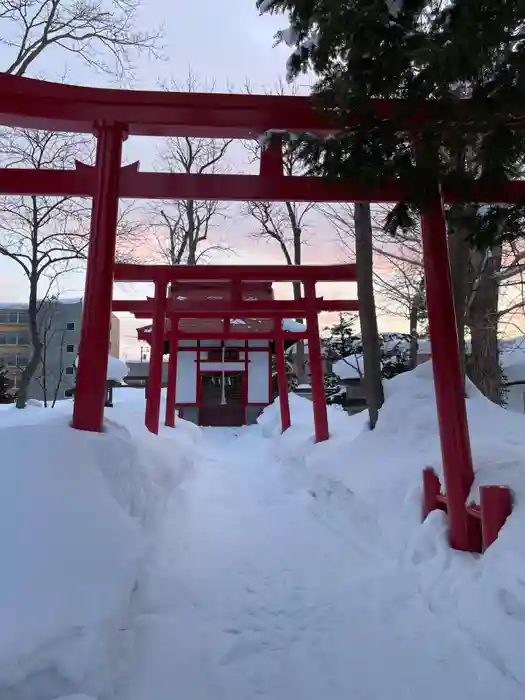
(222, 399)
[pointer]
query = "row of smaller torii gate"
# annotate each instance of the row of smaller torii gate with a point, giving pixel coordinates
(163, 307)
(114, 114)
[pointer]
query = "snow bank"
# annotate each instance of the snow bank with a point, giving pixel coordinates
(78, 514)
(368, 485)
(301, 436)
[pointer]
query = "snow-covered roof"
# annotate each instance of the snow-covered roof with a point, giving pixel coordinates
(288, 325)
(293, 326)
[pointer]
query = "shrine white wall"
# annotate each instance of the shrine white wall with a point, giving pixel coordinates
(186, 390)
(258, 377)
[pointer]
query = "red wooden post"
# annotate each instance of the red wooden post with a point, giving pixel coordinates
(90, 393)
(155, 362)
(431, 490)
(282, 381)
(448, 377)
(316, 365)
(496, 506)
(171, 392)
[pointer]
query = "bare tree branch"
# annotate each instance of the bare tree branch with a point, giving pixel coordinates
(102, 33)
(182, 227)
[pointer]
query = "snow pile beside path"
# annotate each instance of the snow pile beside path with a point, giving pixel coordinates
(297, 441)
(367, 485)
(77, 518)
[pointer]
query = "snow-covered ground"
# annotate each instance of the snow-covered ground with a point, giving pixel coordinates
(243, 564)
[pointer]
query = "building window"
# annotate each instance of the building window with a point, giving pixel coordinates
(70, 348)
(70, 370)
(23, 338)
(13, 317)
(8, 338)
(70, 326)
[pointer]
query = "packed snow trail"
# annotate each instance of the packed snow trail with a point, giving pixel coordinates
(250, 594)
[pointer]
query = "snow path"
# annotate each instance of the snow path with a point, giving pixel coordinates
(249, 594)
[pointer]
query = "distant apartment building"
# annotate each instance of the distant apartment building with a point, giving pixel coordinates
(59, 325)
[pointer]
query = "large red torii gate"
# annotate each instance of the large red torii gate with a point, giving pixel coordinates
(114, 114)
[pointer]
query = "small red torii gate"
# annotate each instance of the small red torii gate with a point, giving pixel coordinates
(114, 114)
(161, 307)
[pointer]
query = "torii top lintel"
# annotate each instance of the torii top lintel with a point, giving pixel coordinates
(26, 102)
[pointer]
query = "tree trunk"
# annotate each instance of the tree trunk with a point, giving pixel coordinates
(32, 366)
(459, 252)
(416, 307)
(483, 365)
(300, 355)
(367, 311)
(192, 234)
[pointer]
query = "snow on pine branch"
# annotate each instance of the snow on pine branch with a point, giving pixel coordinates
(265, 6)
(395, 7)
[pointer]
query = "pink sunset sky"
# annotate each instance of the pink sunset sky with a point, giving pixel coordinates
(227, 44)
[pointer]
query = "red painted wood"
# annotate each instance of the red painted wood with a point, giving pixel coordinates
(496, 506)
(278, 308)
(90, 393)
(221, 336)
(431, 491)
(149, 185)
(271, 160)
(198, 387)
(448, 379)
(171, 392)
(246, 380)
(155, 363)
(282, 381)
(126, 272)
(316, 366)
(39, 104)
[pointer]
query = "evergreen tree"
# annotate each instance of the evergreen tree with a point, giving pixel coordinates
(416, 50)
(6, 384)
(340, 339)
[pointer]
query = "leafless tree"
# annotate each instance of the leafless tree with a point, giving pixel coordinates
(48, 236)
(44, 236)
(49, 375)
(182, 228)
(101, 33)
(284, 223)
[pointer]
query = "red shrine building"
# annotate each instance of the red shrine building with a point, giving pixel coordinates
(222, 382)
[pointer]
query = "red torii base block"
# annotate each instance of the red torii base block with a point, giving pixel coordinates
(485, 520)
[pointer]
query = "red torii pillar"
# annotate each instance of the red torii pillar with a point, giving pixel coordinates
(90, 393)
(448, 376)
(156, 355)
(171, 392)
(316, 364)
(282, 381)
